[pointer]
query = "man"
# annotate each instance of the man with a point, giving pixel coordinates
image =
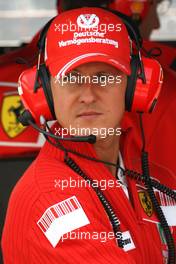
(59, 214)
(145, 14)
(160, 128)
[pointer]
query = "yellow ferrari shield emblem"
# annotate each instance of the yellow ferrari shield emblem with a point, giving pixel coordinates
(146, 202)
(11, 109)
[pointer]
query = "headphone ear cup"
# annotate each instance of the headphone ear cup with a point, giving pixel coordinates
(131, 84)
(140, 96)
(34, 101)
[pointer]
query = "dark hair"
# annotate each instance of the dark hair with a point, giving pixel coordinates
(70, 4)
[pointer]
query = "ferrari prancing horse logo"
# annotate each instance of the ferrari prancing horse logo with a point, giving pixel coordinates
(11, 109)
(146, 202)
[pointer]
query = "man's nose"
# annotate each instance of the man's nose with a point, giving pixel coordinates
(87, 94)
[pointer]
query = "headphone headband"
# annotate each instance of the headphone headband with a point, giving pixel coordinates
(42, 37)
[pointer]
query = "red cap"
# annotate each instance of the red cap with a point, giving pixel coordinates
(133, 8)
(88, 35)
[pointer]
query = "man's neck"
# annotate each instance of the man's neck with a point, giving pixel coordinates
(108, 150)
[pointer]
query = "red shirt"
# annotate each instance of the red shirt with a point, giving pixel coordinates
(41, 208)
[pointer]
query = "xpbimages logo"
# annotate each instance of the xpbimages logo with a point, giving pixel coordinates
(73, 78)
(88, 22)
(82, 131)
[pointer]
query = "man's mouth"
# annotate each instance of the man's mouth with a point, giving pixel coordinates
(89, 114)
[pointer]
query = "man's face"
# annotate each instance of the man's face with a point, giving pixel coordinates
(92, 96)
(151, 21)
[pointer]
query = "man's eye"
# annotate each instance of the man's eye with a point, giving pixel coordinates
(65, 78)
(102, 76)
(74, 76)
(70, 77)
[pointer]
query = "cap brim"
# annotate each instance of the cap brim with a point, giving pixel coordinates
(61, 67)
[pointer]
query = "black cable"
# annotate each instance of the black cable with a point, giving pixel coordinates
(157, 208)
(28, 62)
(164, 189)
(126, 172)
(108, 208)
(91, 139)
(157, 185)
(106, 204)
(142, 132)
(153, 52)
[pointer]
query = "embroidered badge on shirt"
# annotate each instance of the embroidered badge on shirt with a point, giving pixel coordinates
(146, 202)
(128, 241)
(62, 218)
(167, 204)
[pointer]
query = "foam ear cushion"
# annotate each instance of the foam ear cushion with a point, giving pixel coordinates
(131, 83)
(45, 81)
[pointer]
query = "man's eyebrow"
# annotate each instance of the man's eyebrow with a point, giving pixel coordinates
(107, 72)
(100, 72)
(73, 71)
(103, 72)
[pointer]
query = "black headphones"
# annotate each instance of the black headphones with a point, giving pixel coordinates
(137, 81)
